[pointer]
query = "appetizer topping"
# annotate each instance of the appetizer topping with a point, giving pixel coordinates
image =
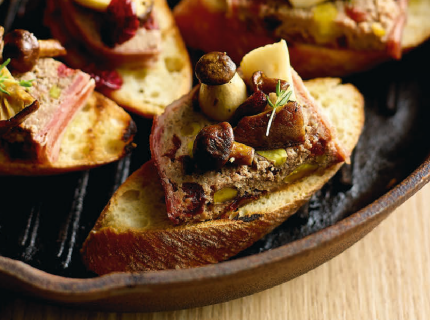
(55, 92)
(277, 156)
(190, 129)
(22, 48)
(220, 102)
(305, 3)
(222, 90)
(142, 7)
(16, 104)
(51, 48)
(98, 5)
(225, 194)
(259, 82)
(332, 24)
(215, 145)
(121, 22)
(324, 16)
(287, 128)
(378, 29)
(275, 139)
(106, 80)
(38, 137)
(194, 197)
(282, 98)
(274, 61)
(301, 172)
(241, 154)
(356, 13)
(215, 68)
(254, 104)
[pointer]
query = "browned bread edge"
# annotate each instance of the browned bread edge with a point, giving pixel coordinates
(133, 232)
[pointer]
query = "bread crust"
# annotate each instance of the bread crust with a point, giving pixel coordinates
(195, 20)
(133, 233)
(91, 139)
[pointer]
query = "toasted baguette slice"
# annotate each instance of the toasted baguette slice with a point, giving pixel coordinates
(133, 233)
(197, 18)
(145, 91)
(101, 132)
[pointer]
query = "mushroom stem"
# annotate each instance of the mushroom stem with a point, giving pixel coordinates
(214, 146)
(222, 90)
(50, 48)
(241, 154)
(219, 102)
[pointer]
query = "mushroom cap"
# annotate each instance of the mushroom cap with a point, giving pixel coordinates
(215, 68)
(22, 47)
(213, 145)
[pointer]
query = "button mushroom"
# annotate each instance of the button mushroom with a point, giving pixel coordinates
(222, 90)
(214, 146)
(24, 50)
(22, 47)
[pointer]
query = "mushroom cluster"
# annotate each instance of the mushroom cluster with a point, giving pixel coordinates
(244, 110)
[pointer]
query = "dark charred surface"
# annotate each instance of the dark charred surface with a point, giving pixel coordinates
(44, 220)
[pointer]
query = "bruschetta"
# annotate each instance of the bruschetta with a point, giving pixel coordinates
(43, 107)
(194, 203)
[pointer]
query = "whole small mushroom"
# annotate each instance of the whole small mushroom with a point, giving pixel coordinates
(24, 50)
(22, 47)
(222, 90)
(214, 146)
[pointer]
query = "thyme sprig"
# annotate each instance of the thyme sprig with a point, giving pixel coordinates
(283, 96)
(4, 80)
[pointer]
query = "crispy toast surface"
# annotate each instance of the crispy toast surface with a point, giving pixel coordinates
(133, 233)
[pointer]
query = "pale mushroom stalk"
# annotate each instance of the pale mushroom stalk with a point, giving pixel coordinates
(222, 90)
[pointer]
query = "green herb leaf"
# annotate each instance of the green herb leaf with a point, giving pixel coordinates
(3, 79)
(4, 64)
(270, 102)
(26, 83)
(4, 91)
(283, 96)
(278, 88)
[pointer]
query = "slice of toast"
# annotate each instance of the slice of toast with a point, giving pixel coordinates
(133, 233)
(196, 18)
(145, 91)
(100, 133)
(193, 194)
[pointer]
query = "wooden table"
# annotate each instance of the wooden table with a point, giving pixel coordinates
(384, 276)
